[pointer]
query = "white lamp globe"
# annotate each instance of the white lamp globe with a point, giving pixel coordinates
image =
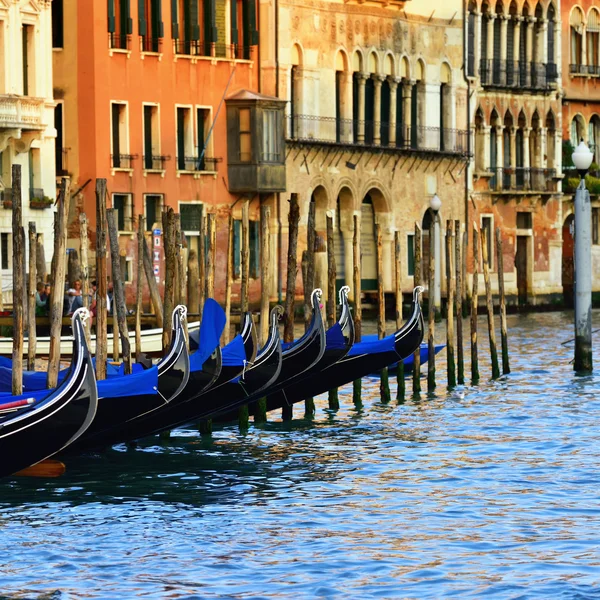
(435, 203)
(582, 157)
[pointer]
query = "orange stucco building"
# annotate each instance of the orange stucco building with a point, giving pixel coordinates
(140, 87)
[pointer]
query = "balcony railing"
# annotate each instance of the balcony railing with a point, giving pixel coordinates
(577, 69)
(521, 179)
(211, 49)
(194, 164)
(330, 130)
(148, 44)
(122, 161)
(118, 41)
(21, 112)
(503, 73)
(155, 163)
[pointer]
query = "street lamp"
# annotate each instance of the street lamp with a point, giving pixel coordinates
(435, 204)
(582, 159)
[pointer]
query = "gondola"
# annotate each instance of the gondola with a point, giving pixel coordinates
(126, 398)
(45, 426)
(339, 339)
(362, 359)
(255, 378)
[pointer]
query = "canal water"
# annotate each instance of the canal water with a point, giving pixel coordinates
(490, 491)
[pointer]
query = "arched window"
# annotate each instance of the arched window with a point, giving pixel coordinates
(497, 70)
(576, 23)
(446, 107)
(417, 105)
(523, 48)
(479, 141)
(485, 67)
(471, 39)
(296, 91)
(494, 123)
(507, 161)
(552, 62)
(357, 69)
(592, 30)
(343, 98)
(511, 71)
(551, 140)
(578, 132)
(594, 135)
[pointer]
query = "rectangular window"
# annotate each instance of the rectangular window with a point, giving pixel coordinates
(245, 135)
(123, 205)
(487, 226)
(203, 121)
(271, 144)
(152, 158)
(254, 249)
(6, 250)
(120, 137)
(35, 175)
(153, 204)
(126, 269)
(185, 140)
(595, 225)
(150, 24)
(120, 24)
(190, 216)
(28, 62)
(57, 24)
(523, 220)
(410, 253)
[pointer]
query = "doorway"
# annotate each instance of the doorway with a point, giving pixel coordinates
(522, 265)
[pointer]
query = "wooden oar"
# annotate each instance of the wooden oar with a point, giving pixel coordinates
(46, 468)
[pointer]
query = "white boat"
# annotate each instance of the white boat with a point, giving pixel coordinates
(151, 342)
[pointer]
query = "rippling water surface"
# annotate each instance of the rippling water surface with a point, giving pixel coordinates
(488, 491)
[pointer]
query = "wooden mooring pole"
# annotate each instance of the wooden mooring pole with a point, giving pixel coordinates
(489, 304)
(432, 312)
(401, 389)
(474, 296)
(384, 384)
(417, 282)
(139, 286)
(460, 358)
(260, 415)
(31, 291)
(228, 281)
(101, 272)
(211, 258)
(356, 273)
(85, 271)
(157, 303)
(503, 326)
(18, 263)
(450, 301)
(58, 281)
(168, 223)
(244, 300)
(333, 396)
(201, 264)
(309, 284)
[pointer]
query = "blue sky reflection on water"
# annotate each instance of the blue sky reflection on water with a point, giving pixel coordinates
(494, 492)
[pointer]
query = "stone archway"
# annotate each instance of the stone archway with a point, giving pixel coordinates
(568, 273)
(344, 235)
(321, 199)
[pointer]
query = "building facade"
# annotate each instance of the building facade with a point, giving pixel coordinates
(376, 122)
(513, 60)
(27, 133)
(581, 120)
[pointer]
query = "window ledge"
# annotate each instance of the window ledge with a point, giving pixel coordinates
(121, 170)
(160, 172)
(125, 52)
(127, 233)
(185, 172)
(57, 49)
(158, 55)
(199, 174)
(483, 174)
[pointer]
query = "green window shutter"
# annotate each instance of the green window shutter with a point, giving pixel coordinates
(411, 254)
(158, 28)
(254, 249)
(237, 249)
(174, 20)
(194, 31)
(142, 25)
(249, 16)
(126, 20)
(210, 21)
(234, 24)
(111, 16)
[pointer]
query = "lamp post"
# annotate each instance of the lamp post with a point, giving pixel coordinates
(582, 159)
(435, 204)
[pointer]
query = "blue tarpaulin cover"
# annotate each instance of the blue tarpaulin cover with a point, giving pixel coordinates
(370, 345)
(211, 328)
(234, 353)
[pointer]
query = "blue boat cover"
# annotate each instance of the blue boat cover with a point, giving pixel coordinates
(334, 338)
(234, 354)
(211, 328)
(371, 345)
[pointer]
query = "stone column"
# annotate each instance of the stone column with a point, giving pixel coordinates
(486, 148)
(530, 25)
(362, 79)
(543, 42)
(477, 43)
(584, 48)
(393, 82)
(490, 37)
(499, 156)
(526, 159)
(377, 81)
(407, 86)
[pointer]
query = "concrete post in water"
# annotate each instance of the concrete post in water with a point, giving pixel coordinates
(101, 272)
(119, 308)
(450, 311)
(417, 282)
(139, 284)
(58, 281)
(503, 327)
(401, 390)
(245, 256)
(228, 280)
(474, 296)
(85, 271)
(334, 401)
(582, 159)
(31, 291)
(384, 384)
(489, 305)
(459, 305)
(432, 313)
(18, 262)
(357, 385)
